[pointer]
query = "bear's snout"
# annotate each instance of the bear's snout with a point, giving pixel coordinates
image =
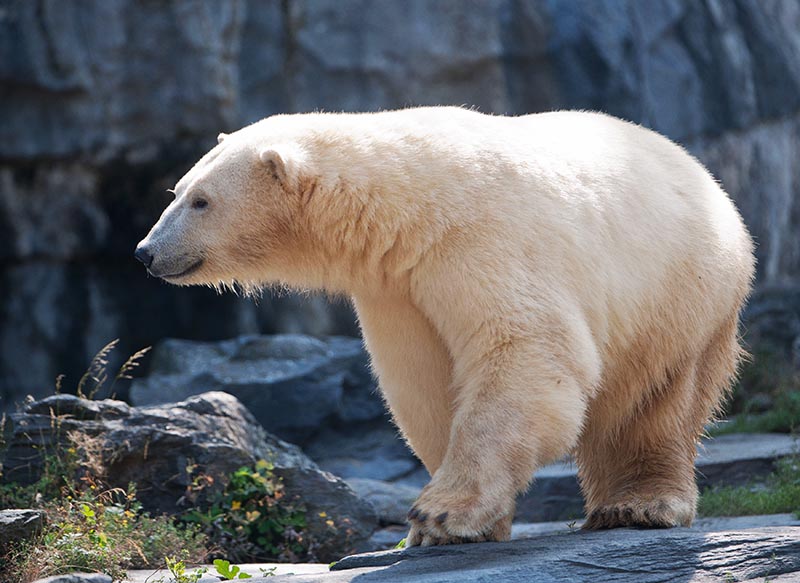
(143, 254)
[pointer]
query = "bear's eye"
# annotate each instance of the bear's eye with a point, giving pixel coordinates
(199, 203)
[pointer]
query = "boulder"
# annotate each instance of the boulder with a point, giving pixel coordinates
(162, 448)
(18, 525)
(372, 451)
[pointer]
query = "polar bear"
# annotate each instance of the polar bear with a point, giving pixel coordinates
(528, 287)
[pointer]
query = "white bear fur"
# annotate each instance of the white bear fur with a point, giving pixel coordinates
(528, 287)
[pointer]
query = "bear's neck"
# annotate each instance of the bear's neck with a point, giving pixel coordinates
(375, 208)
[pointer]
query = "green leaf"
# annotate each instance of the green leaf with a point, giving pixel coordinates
(228, 571)
(223, 567)
(87, 511)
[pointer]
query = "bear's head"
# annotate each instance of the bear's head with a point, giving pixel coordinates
(233, 217)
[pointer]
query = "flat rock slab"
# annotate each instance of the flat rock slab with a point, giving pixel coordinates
(739, 458)
(678, 555)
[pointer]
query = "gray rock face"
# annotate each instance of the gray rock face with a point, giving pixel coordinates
(102, 111)
(622, 555)
(156, 446)
(16, 525)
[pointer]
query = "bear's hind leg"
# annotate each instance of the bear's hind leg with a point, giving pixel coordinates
(641, 473)
(651, 485)
(637, 469)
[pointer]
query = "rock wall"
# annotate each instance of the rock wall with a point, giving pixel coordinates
(105, 103)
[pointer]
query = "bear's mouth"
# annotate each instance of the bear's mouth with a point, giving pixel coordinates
(188, 271)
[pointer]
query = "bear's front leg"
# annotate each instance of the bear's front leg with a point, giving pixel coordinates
(519, 405)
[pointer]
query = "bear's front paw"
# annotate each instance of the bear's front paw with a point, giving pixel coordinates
(443, 516)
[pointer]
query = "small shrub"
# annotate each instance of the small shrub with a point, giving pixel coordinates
(59, 468)
(252, 519)
(177, 569)
(100, 530)
(90, 527)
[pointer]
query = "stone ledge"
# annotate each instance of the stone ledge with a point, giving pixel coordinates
(623, 555)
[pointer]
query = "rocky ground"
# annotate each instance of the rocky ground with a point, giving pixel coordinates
(728, 549)
(219, 434)
(350, 467)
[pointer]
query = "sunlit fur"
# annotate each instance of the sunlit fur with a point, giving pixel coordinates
(527, 288)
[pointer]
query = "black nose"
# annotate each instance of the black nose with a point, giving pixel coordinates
(143, 255)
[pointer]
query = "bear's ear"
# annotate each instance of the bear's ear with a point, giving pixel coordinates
(221, 137)
(282, 161)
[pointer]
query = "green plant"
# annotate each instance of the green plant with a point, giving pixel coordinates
(90, 526)
(177, 568)
(783, 417)
(251, 518)
(100, 530)
(780, 493)
(59, 468)
(767, 395)
(229, 572)
(96, 375)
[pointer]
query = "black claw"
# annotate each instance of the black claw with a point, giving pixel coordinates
(649, 520)
(441, 518)
(627, 516)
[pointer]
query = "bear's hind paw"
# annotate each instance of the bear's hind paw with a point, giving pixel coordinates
(651, 514)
